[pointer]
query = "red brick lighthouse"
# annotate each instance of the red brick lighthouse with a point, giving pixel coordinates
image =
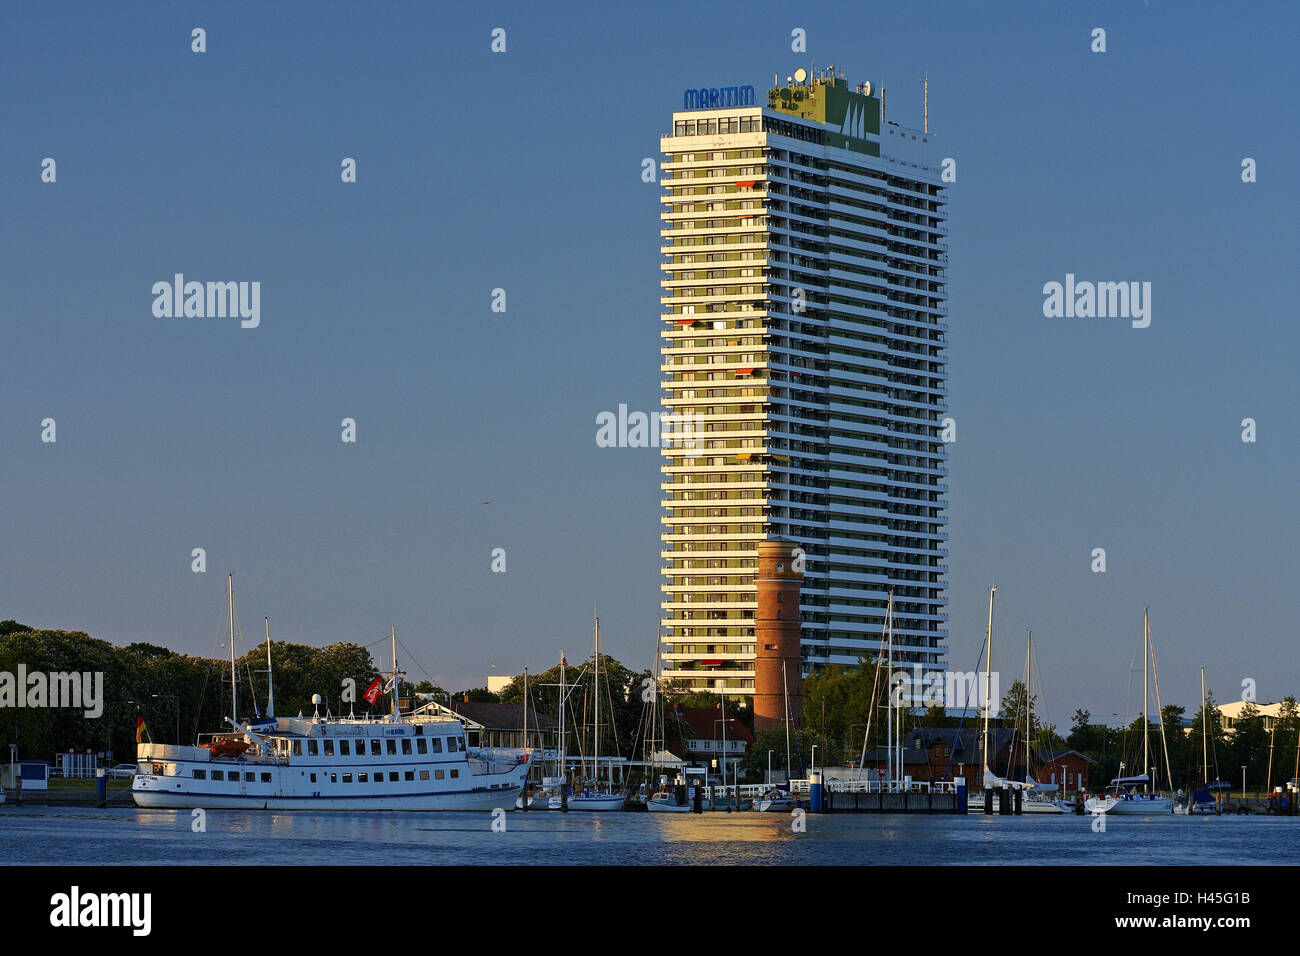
(776, 635)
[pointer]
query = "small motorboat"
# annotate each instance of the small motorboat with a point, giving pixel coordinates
(667, 801)
(774, 800)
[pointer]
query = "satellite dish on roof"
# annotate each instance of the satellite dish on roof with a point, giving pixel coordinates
(800, 75)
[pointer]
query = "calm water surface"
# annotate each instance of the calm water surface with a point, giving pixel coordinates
(63, 835)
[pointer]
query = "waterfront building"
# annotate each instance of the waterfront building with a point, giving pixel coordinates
(932, 754)
(498, 725)
(1232, 712)
(707, 741)
(804, 326)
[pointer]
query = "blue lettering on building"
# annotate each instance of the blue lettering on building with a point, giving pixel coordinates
(713, 97)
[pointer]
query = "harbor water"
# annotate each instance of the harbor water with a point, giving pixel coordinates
(84, 836)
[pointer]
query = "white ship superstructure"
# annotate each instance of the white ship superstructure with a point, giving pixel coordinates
(324, 763)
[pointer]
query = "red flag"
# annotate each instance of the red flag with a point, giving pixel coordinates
(371, 696)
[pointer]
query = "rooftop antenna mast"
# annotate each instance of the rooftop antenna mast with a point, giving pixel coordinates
(925, 101)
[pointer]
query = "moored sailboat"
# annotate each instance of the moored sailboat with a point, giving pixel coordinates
(1132, 794)
(595, 794)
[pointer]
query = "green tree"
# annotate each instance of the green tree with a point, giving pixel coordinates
(1016, 702)
(1248, 745)
(1204, 749)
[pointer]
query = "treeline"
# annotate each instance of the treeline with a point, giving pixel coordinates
(153, 682)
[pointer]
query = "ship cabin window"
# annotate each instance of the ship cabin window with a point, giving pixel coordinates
(345, 748)
(455, 774)
(422, 746)
(424, 775)
(436, 744)
(362, 778)
(334, 778)
(329, 748)
(249, 777)
(379, 777)
(392, 748)
(218, 775)
(451, 745)
(266, 778)
(297, 748)
(200, 774)
(406, 745)
(439, 774)
(376, 747)
(419, 729)
(312, 749)
(410, 775)
(313, 778)
(347, 778)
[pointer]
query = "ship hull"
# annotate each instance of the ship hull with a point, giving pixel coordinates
(601, 802)
(502, 797)
(1136, 807)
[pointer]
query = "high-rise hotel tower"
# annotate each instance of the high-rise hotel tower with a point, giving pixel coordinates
(804, 336)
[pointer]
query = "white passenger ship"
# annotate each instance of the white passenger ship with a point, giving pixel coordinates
(328, 763)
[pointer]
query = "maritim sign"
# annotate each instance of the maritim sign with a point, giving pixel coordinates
(709, 97)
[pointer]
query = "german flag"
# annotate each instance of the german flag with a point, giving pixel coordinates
(140, 730)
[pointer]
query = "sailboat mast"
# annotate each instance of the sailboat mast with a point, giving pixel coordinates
(562, 769)
(595, 688)
(1205, 753)
(722, 706)
(1029, 654)
(889, 685)
(988, 677)
(786, 686)
(230, 601)
(1146, 721)
(270, 685)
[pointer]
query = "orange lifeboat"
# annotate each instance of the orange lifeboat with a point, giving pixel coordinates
(226, 748)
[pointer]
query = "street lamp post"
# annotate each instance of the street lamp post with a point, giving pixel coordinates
(769, 768)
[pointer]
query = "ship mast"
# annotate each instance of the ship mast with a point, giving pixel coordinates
(230, 601)
(397, 711)
(270, 687)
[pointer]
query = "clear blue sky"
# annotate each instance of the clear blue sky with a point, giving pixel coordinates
(522, 171)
